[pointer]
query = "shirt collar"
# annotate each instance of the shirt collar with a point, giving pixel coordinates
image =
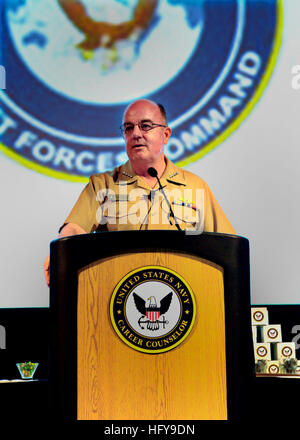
(172, 174)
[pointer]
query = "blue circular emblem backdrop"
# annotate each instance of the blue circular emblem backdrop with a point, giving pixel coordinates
(72, 67)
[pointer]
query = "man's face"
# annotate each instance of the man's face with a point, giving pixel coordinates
(145, 146)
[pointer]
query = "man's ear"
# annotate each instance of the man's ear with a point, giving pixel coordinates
(167, 134)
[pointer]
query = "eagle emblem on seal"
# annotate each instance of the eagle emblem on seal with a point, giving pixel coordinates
(151, 311)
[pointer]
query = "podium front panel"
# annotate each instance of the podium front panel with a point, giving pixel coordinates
(115, 381)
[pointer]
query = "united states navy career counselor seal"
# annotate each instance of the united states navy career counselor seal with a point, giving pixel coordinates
(72, 67)
(152, 309)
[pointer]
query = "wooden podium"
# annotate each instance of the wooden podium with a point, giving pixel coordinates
(112, 360)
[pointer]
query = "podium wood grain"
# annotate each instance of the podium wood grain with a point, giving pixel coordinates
(116, 382)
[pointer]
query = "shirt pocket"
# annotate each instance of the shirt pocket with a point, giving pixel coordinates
(124, 215)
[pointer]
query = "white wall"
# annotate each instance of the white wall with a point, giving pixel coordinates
(253, 174)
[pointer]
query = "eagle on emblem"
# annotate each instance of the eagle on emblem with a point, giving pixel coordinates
(151, 311)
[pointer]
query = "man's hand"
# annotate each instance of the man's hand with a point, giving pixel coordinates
(68, 230)
(46, 270)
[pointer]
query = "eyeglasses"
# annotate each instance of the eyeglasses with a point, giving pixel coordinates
(127, 129)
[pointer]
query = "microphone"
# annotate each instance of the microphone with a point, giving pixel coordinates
(153, 173)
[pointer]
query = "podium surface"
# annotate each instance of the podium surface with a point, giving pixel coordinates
(151, 325)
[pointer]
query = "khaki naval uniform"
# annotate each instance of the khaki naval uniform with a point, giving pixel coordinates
(122, 200)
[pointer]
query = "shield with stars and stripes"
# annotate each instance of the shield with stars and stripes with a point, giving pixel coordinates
(153, 315)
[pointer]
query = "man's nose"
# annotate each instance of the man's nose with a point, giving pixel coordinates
(136, 132)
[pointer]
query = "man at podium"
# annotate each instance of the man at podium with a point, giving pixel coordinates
(148, 191)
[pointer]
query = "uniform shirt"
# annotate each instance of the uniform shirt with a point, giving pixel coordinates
(122, 200)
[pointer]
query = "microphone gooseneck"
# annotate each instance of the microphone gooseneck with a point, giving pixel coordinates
(153, 173)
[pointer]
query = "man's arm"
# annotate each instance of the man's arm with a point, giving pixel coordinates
(71, 229)
(68, 230)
